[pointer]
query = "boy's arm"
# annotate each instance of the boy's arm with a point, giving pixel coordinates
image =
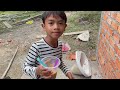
(29, 66)
(63, 67)
(29, 70)
(65, 70)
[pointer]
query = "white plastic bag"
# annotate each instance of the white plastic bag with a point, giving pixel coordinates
(82, 66)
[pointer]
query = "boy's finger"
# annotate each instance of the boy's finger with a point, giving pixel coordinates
(42, 68)
(46, 72)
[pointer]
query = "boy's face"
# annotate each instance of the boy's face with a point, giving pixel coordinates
(54, 26)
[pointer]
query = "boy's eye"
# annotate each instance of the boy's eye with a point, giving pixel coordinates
(50, 23)
(61, 23)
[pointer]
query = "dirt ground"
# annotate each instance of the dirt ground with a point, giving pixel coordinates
(23, 37)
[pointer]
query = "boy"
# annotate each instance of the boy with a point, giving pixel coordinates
(54, 23)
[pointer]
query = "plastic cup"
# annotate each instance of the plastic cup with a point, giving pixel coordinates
(52, 63)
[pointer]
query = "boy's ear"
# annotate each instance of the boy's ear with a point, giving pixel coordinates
(42, 25)
(65, 25)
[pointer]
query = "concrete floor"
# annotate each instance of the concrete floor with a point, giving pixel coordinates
(69, 64)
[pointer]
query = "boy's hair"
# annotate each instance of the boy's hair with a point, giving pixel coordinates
(59, 13)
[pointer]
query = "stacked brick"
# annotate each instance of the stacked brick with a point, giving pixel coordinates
(108, 51)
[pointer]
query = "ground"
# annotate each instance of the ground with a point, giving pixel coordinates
(23, 36)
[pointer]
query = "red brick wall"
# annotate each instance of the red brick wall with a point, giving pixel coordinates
(108, 51)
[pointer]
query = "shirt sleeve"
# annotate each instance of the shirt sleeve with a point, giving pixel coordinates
(63, 67)
(29, 66)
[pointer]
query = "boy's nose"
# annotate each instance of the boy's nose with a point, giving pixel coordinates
(56, 26)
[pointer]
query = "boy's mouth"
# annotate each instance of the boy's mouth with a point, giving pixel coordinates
(56, 33)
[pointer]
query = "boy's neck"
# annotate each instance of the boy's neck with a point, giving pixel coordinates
(52, 42)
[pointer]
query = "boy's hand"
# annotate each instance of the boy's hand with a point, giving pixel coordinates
(70, 75)
(43, 72)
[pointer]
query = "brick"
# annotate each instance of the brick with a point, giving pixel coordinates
(117, 63)
(118, 52)
(119, 58)
(105, 58)
(116, 48)
(108, 49)
(114, 25)
(111, 41)
(113, 15)
(116, 38)
(105, 41)
(112, 53)
(109, 75)
(107, 36)
(103, 71)
(102, 39)
(107, 44)
(100, 36)
(113, 75)
(118, 19)
(108, 13)
(117, 74)
(110, 31)
(106, 26)
(101, 60)
(109, 21)
(108, 56)
(105, 17)
(102, 31)
(110, 67)
(107, 70)
(119, 29)
(118, 14)
(98, 46)
(105, 49)
(113, 65)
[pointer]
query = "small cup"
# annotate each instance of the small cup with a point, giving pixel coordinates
(52, 63)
